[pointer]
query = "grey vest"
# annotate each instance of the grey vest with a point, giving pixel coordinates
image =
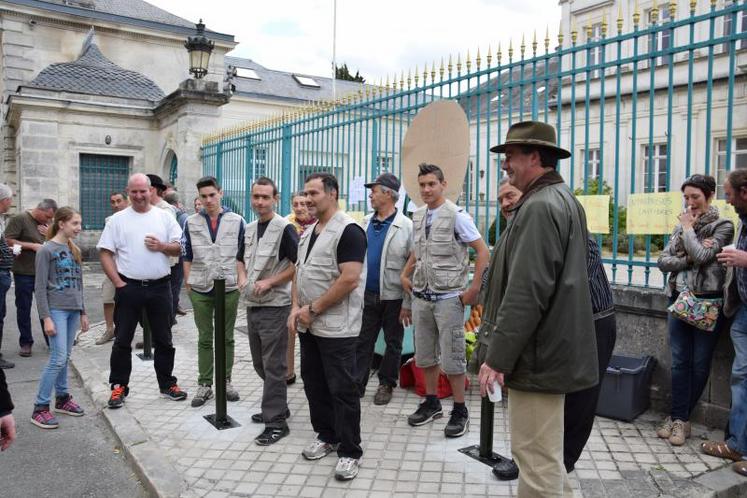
(210, 259)
(317, 274)
(442, 263)
(261, 261)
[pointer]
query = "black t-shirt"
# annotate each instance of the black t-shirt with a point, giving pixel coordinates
(352, 245)
(288, 244)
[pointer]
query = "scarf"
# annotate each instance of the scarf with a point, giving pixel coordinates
(701, 221)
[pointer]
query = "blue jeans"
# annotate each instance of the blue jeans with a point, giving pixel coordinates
(5, 281)
(692, 352)
(66, 324)
(24, 299)
(737, 441)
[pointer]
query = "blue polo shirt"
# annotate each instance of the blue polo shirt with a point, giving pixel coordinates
(376, 235)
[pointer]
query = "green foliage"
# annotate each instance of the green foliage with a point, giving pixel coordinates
(343, 73)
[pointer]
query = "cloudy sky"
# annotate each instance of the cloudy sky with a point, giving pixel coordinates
(378, 38)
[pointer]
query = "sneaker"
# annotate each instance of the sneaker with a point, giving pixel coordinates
(346, 469)
(271, 435)
(383, 395)
(117, 398)
(25, 351)
(425, 413)
(258, 419)
(231, 393)
(43, 418)
(180, 311)
(506, 469)
(680, 432)
(66, 405)
(6, 364)
(664, 431)
(105, 337)
(458, 423)
(174, 393)
(318, 449)
(204, 393)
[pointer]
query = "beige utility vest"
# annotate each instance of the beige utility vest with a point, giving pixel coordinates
(442, 263)
(261, 261)
(317, 274)
(210, 259)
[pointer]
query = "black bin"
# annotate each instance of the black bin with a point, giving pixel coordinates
(625, 387)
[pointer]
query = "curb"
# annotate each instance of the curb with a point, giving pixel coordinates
(157, 475)
(723, 483)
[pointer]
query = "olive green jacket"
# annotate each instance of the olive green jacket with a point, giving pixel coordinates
(537, 319)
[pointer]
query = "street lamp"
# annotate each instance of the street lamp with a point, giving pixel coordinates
(199, 48)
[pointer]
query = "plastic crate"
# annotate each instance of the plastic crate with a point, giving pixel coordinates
(625, 387)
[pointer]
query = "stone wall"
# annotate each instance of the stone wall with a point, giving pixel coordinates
(642, 330)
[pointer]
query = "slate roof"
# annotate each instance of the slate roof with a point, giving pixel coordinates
(282, 85)
(94, 74)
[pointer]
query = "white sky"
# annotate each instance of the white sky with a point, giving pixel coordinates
(378, 38)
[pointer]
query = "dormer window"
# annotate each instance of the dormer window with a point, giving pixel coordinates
(245, 72)
(306, 81)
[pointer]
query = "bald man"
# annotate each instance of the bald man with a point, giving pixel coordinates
(134, 249)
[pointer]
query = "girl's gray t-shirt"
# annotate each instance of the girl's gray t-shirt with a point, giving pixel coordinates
(59, 280)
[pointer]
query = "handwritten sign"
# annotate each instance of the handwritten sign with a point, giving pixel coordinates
(651, 214)
(597, 212)
(726, 211)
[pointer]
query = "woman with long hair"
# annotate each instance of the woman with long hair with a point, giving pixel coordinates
(59, 299)
(690, 260)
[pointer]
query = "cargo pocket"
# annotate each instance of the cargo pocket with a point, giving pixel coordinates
(458, 345)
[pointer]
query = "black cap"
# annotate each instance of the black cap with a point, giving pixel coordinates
(385, 180)
(156, 181)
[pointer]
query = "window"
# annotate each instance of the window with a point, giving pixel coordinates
(306, 81)
(655, 169)
(100, 175)
(595, 55)
(729, 29)
(305, 170)
(593, 164)
(383, 163)
(738, 161)
(245, 72)
(662, 40)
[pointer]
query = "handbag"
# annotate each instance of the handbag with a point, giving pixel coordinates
(699, 312)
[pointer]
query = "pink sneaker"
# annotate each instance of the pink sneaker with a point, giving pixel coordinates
(43, 418)
(67, 406)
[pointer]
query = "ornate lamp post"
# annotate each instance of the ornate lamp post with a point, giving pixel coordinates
(199, 47)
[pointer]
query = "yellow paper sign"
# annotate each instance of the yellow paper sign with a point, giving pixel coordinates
(597, 212)
(653, 214)
(726, 211)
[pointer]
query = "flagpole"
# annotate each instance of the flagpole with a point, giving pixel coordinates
(334, 49)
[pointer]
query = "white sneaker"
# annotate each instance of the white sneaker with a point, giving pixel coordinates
(231, 393)
(346, 469)
(318, 449)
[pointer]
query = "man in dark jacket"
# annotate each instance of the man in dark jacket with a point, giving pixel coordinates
(537, 323)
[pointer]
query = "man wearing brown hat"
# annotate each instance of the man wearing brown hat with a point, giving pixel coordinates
(537, 332)
(389, 234)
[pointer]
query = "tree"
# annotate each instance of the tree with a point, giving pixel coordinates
(343, 73)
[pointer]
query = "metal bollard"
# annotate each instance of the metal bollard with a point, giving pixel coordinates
(484, 451)
(147, 354)
(220, 419)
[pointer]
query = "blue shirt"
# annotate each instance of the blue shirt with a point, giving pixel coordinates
(376, 235)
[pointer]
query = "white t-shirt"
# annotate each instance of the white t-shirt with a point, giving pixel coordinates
(124, 235)
(464, 226)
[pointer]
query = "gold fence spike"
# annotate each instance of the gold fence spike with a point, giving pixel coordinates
(560, 34)
(477, 59)
(489, 57)
(713, 3)
(450, 66)
(604, 24)
(409, 78)
(441, 70)
(654, 14)
(468, 62)
(672, 10)
(534, 43)
(510, 49)
(619, 19)
(433, 72)
(417, 77)
(693, 5)
(636, 14)
(425, 74)
(498, 54)
(523, 46)
(459, 63)
(547, 38)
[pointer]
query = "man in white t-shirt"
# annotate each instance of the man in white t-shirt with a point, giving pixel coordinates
(134, 249)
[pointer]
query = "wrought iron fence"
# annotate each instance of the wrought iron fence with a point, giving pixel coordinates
(639, 110)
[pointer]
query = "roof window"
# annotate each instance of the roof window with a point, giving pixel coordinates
(245, 72)
(306, 81)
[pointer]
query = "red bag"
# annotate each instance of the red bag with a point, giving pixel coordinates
(412, 375)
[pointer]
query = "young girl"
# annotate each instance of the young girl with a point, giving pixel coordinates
(59, 299)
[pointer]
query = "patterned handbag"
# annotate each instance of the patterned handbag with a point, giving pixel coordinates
(699, 312)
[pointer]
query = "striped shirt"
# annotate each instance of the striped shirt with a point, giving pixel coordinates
(599, 286)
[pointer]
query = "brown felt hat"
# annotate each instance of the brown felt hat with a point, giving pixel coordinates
(532, 133)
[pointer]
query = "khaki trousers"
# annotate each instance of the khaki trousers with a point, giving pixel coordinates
(537, 443)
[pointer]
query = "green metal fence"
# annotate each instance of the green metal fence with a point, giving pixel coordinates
(639, 109)
(100, 175)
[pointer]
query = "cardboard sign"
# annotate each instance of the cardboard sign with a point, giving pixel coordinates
(597, 212)
(439, 134)
(653, 214)
(726, 211)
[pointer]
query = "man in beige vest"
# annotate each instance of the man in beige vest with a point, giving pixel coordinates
(271, 250)
(213, 247)
(327, 310)
(442, 234)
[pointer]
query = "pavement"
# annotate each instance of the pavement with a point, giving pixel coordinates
(176, 452)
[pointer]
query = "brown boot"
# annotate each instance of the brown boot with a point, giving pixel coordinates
(664, 431)
(383, 395)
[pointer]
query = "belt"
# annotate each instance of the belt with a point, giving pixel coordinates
(145, 283)
(429, 296)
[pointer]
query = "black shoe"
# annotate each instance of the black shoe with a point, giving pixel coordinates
(425, 413)
(290, 380)
(117, 398)
(6, 363)
(139, 345)
(271, 435)
(174, 393)
(458, 423)
(506, 470)
(257, 417)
